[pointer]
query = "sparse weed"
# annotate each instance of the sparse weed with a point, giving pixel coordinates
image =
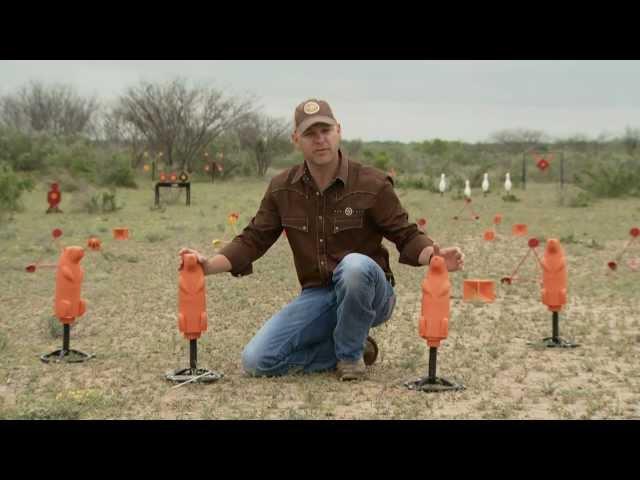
(153, 237)
(3, 341)
(510, 197)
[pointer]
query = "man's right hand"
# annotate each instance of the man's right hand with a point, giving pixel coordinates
(216, 264)
(201, 258)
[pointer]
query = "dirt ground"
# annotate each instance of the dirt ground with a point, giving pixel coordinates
(130, 324)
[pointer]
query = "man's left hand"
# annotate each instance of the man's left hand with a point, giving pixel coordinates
(453, 256)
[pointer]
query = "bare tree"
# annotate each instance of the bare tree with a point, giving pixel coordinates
(55, 109)
(578, 142)
(266, 137)
(179, 120)
(631, 139)
(112, 129)
(519, 139)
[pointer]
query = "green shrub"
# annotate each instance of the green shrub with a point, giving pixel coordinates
(77, 157)
(67, 182)
(615, 178)
(418, 182)
(573, 196)
(94, 201)
(114, 169)
(25, 152)
(246, 168)
(11, 188)
(581, 200)
(382, 161)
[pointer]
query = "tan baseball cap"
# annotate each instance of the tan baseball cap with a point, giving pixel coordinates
(312, 111)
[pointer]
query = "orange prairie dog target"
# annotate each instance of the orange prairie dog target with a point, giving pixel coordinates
(121, 233)
(436, 290)
(94, 243)
(519, 229)
(489, 235)
(554, 276)
(68, 304)
(192, 301)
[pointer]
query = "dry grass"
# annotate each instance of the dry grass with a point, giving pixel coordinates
(131, 319)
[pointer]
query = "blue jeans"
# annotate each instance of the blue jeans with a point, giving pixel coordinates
(323, 324)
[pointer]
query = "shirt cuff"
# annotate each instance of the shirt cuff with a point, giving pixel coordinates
(237, 256)
(412, 250)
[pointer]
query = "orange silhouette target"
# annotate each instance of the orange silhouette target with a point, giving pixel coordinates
(554, 290)
(434, 323)
(68, 304)
(192, 320)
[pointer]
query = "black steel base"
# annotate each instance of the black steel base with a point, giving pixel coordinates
(432, 383)
(552, 342)
(437, 384)
(66, 356)
(194, 375)
(555, 340)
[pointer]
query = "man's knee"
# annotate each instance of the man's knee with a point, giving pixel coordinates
(255, 362)
(355, 269)
(251, 359)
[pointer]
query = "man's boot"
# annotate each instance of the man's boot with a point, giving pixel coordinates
(370, 354)
(351, 370)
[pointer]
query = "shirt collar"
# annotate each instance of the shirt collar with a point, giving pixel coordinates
(343, 170)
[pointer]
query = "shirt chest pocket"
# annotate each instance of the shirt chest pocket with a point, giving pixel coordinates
(296, 223)
(343, 224)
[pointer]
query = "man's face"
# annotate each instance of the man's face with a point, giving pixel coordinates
(319, 143)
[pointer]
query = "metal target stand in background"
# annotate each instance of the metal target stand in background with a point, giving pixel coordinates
(543, 162)
(176, 183)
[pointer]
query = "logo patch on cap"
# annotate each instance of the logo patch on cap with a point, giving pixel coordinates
(311, 107)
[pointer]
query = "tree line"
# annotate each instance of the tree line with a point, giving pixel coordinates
(180, 125)
(175, 122)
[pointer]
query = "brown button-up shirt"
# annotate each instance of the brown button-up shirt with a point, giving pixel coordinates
(351, 215)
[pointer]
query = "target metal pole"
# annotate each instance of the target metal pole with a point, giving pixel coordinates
(193, 355)
(433, 359)
(65, 338)
(555, 332)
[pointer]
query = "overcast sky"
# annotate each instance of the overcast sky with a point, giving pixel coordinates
(390, 100)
